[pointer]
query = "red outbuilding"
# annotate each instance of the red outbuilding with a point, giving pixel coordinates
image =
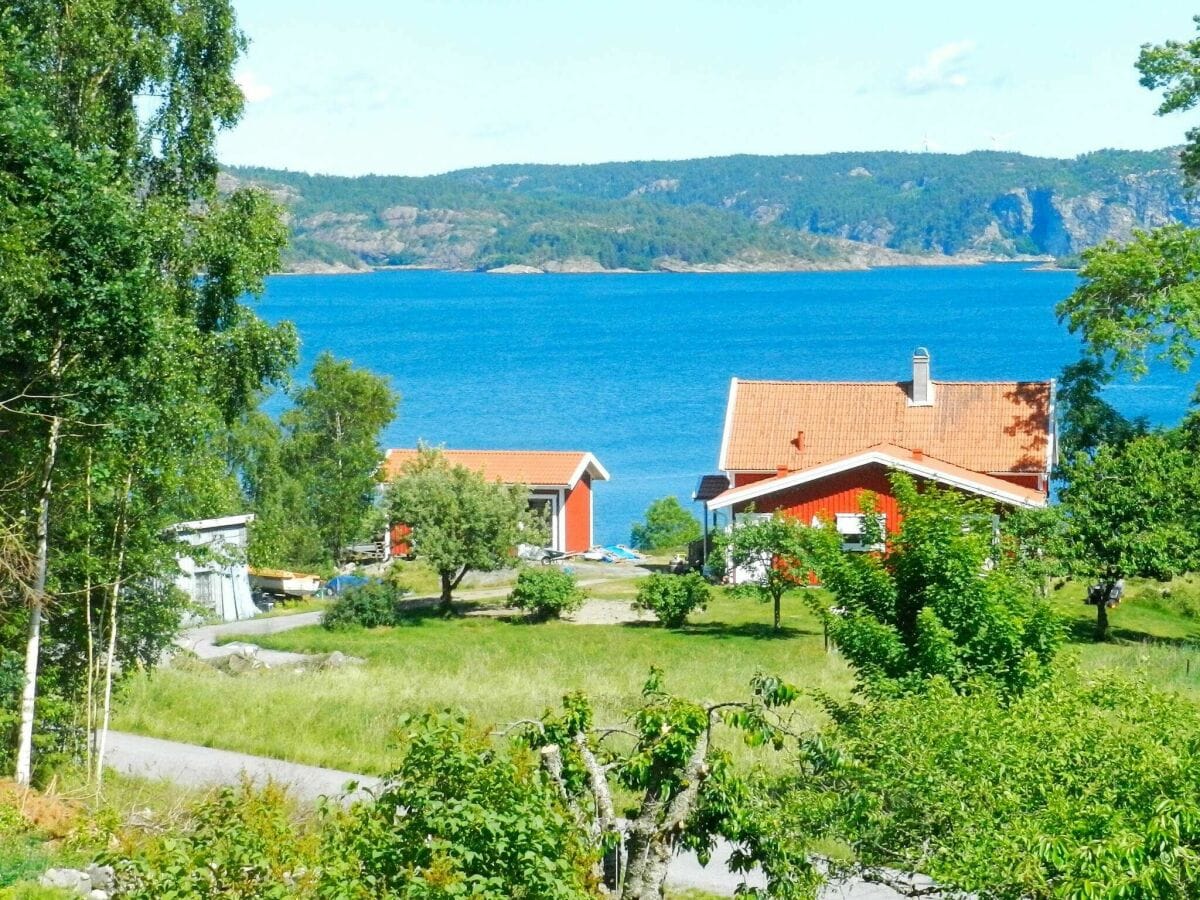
(559, 482)
(812, 448)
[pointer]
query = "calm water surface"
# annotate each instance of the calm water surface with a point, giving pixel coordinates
(636, 368)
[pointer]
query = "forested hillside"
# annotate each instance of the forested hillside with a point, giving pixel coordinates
(738, 212)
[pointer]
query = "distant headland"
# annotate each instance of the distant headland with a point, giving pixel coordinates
(729, 214)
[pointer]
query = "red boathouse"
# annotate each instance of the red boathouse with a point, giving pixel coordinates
(559, 482)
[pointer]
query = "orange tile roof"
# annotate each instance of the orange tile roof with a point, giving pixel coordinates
(894, 457)
(551, 468)
(993, 426)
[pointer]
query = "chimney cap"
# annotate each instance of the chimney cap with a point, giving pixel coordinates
(920, 352)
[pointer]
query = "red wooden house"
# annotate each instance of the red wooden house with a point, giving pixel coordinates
(559, 482)
(812, 448)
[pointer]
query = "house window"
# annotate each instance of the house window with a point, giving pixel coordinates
(850, 527)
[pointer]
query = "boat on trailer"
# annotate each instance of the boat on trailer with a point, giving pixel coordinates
(279, 583)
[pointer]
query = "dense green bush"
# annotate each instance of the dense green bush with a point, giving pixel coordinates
(456, 819)
(547, 592)
(939, 600)
(459, 819)
(667, 525)
(242, 844)
(1081, 787)
(673, 597)
(369, 605)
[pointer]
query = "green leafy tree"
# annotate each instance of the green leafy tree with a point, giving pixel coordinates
(939, 600)
(123, 341)
(672, 598)
(667, 525)
(460, 521)
(1081, 787)
(331, 446)
(772, 554)
(1174, 68)
(1140, 301)
(546, 592)
(685, 791)
(1131, 510)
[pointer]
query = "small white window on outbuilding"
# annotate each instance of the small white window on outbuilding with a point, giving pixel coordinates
(850, 527)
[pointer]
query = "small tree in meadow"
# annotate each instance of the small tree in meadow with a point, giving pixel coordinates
(774, 555)
(672, 598)
(1131, 510)
(546, 592)
(667, 525)
(460, 521)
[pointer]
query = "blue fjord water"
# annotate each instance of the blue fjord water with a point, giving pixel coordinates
(636, 368)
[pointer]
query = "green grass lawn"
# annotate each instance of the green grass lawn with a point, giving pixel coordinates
(496, 670)
(499, 671)
(1154, 632)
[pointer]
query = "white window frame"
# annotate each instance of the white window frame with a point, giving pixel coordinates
(850, 526)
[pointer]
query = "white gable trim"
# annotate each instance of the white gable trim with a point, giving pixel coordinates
(733, 383)
(588, 463)
(774, 485)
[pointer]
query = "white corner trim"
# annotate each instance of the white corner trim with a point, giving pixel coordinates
(733, 383)
(773, 485)
(562, 520)
(589, 461)
(1052, 430)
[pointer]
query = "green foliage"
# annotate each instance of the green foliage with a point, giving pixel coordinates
(685, 788)
(673, 597)
(547, 592)
(125, 346)
(459, 819)
(1139, 299)
(1129, 510)
(460, 521)
(667, 525)
(240, 843)
(333, 445)
(1174, 67)
(369, 605)
(939, 601)
(1078, 788)
(1085, 419)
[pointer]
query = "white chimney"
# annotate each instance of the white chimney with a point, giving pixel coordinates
(922, 387)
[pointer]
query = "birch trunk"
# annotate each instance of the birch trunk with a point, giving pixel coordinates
(110, 656)
(37, 603)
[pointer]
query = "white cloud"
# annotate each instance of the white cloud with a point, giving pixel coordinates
(940, 70)
(253, 90)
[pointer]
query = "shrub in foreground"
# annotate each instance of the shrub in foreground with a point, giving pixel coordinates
(673, 597)
(1081, 787)
(546, 593)
(238, 843)
(369, 605)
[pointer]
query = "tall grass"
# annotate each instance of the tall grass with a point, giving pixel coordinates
(498, 671)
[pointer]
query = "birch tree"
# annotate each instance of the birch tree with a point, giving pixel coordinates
(120, 262)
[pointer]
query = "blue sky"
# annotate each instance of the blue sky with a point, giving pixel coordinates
(414, 87)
